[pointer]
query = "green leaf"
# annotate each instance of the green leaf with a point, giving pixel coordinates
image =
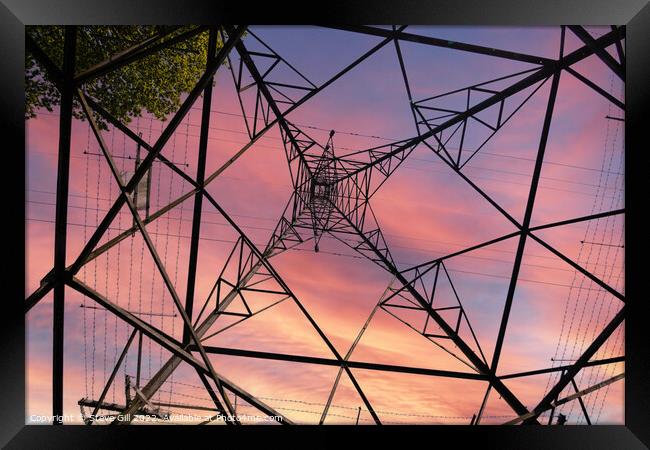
(153, 84)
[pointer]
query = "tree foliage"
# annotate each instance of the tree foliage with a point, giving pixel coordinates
(154, 83)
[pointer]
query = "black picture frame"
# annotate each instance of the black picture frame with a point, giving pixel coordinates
(635, 14)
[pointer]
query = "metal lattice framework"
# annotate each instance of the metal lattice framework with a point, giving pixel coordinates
(331, 196)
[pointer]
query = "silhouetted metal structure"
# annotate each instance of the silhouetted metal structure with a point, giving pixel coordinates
(331, 195)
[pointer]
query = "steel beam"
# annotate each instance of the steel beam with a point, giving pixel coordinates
(578, 366)
(480, 366)
(170, 344)
(599, 50)
(582, 403)
(526, 222)
(343, 364)
(182, 351)
(157, 148)
(214, 397)
(112, 376)
(590, 389)
(54, 73)
(445, 43)
(87, 252)
(36, 296)
(198, 199)
(479, 415)
(596, 88)
(619, 49)
(263, 88)
(579, 268)
(544, 72)
(150, 245)
(137, 52)
(347, 358)
(562, 401)
(170, 366)
(283, 123)
(579, 219)
(598, 362)
(61, 220)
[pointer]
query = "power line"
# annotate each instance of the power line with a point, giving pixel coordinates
(417, 249)
(331, 253)
(435, 162)
(482, 152)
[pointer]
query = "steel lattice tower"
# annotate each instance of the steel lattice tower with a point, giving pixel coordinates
(331, 196)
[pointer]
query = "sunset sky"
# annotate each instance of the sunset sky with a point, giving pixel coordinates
(425, 211)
